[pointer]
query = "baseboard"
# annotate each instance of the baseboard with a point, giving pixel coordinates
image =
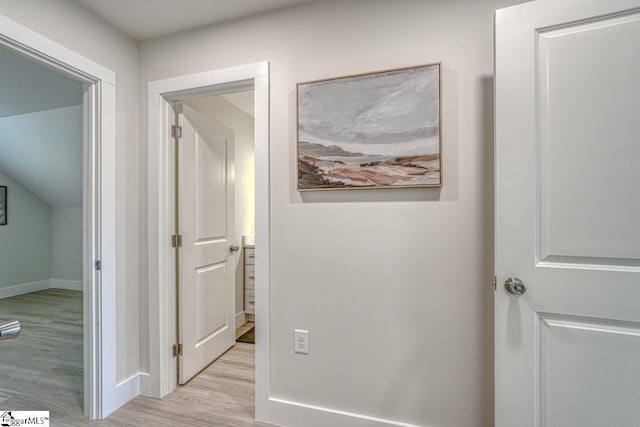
(27, 288)
(72, 285)
(125, 391)
(288, 413)
(24, 288)
(145, 384)
(241, 319)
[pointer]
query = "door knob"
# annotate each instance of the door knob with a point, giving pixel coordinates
(9, 330)
(515, 286)
(234, 248)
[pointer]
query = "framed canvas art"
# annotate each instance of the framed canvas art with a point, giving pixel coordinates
(3, 205)
(368, 131)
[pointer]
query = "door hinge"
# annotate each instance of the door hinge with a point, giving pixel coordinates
(177, 350)
(176, 241)
(176, 131)
(98, 265)
(495, 283)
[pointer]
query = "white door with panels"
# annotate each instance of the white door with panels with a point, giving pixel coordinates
(206, 224)
(567, 303)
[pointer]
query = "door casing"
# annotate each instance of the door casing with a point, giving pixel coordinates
(162, 303)
(102, 393)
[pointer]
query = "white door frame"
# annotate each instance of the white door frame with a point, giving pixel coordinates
(99, 192)
(162, 299)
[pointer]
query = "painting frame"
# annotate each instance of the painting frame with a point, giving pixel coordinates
(3, 205)
(429, 161)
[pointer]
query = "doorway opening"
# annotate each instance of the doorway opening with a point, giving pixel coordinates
(214, 211)
(41, 236)
(195, 101)
(100, 392)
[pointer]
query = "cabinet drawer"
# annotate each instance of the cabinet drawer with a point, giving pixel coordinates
(249, 272)
(250, 301)
(249, 282)
(249, 256)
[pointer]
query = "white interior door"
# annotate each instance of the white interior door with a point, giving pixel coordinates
(568, 214)
(206, 223)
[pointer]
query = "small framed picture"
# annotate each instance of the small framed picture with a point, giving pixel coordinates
(3, 205)
(373, 130)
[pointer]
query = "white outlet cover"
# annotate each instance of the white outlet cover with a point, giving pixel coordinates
(301, 341)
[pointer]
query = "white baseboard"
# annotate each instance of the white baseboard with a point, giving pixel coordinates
(288, 413)
(125, 391)
(27, 288)
(24, 288)
(241, 319)
(72, 285)
(145, 386)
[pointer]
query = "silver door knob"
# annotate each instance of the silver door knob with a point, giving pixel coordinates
(515, 286)
(234, 248)
(9, 330)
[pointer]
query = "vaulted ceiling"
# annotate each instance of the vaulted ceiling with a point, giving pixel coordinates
(242, 100)
(27, 86)
(41, 130)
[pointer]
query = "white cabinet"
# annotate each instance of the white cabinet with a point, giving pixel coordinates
(249, 280)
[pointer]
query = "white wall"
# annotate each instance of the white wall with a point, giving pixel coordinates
(25, 242)
(78, 29)
(393, 285)
(67, 244)
(39, 243)
(407, 272)
(231, 116)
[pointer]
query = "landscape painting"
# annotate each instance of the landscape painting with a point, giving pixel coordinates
(376, 130)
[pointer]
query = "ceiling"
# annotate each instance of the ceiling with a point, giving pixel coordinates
(41, 130)
(145, 19)
(43, 152)
(28, 86)
(242, 100)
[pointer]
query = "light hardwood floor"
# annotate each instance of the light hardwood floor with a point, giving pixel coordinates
(221, 395)
(42, 370)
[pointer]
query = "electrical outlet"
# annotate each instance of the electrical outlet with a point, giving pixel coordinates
(300, 341)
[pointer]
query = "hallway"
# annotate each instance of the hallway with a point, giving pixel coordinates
(42, 370)
(222, 395)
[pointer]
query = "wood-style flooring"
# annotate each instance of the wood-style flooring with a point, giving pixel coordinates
(222, 396)
(42, 370)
